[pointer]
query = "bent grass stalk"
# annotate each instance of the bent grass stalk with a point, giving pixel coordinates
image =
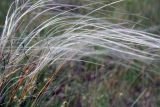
(41, 33)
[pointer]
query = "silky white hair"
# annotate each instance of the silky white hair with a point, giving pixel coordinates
(45, 32)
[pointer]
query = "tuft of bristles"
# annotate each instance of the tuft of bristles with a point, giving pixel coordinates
(40, 33)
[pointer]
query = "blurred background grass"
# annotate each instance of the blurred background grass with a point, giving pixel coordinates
(4, 5)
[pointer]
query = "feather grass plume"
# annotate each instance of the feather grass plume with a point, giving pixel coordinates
(40, 33)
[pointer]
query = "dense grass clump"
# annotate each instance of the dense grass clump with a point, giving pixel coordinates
(67, 54)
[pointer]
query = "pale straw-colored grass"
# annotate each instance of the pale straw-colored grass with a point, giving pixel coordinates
(44, 32)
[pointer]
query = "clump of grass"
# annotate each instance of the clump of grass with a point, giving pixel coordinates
(51, 51)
